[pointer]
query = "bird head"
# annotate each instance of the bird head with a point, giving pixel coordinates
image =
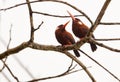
(75, 20)
(62, 26)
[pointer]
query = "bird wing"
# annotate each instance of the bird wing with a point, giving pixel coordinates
(69, 38)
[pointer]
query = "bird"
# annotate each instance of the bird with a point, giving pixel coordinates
(64, 37)
(80, 30)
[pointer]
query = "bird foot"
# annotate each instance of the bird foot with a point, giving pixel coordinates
(65, 46)
(58, 46)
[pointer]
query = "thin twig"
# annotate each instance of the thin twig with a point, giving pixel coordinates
(99, 17)
(58, 1)
(9, 37)
(100, 65)
(109, 39)
(105, 46)
(71, 68)
(109, 23)
(72, 6)
(51, 15)
(31, 21)
(7, 47)
(80, 64)
(4, 61)
(37, 46)
(39, 26)
(2, 67)
(10, 71)
(67, 72)
(17, 5)
(47, 47)
(51, 77)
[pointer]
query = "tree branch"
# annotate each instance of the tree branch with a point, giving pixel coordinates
(38, 26)
(44, 47)
(109, 23)
(58, 1)
(67, 72)
(60, 75)
(14, 50)
(104, 46)
(100, 65)
(63, 2)
(61, 49)
(17, 5)
(108, 39)
(99, 17)
(31, 21)
(51, 77)
(34, 45)
(81, 64)
(51, 15)
(10, 71)
(10, 37)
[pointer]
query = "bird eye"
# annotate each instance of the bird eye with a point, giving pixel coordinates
(77, 19)
(80, 22)
(60, 26)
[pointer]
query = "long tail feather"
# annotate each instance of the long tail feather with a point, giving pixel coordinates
(76, 53)
(93, 46)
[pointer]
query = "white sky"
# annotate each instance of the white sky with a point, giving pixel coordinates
(46, 63)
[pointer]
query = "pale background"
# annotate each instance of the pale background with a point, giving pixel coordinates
(48, 63)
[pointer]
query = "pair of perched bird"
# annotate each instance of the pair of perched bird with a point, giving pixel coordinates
(79, 29)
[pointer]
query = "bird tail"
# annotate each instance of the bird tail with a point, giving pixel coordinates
(93, 46)
(76, 53)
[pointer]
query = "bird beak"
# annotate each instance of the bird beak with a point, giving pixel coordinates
(73, 18)
(66, 23)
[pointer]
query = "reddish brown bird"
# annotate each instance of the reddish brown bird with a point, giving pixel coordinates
(64, 37)
(80, 30)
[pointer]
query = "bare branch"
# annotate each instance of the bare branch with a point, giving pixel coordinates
(7, 48)
(19, 62)
(44, 47)
(14, 50)
(10, 71)
(81, 64)
(9, 37)
(75, 8)
(100, 65)
(51, 77)
(109, 39)
(61, 49)
(99, 17)
(70, 67)
(104, 46)
(69, 70)
(109, 23)
(17, 5)
(34, 45)
(4, 61)
(2, 67)
(38, 26)
(31, 21)
(58, 1)
(46, 14)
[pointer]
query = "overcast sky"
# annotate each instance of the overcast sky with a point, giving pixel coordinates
(48, 63)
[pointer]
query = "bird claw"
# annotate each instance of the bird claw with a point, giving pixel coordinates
(64, 46)
(58, 46)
